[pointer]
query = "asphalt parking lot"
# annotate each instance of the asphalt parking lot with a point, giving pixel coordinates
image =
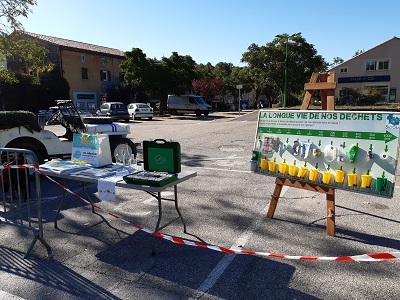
(96, 256)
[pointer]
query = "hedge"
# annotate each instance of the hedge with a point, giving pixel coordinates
(11, 119)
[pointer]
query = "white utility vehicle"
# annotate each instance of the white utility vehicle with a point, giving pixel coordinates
(47, 145)
(186, 104)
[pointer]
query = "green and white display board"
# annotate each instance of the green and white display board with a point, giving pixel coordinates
(355, 151)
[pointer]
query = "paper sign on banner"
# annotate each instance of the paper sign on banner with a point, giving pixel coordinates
(92, 148)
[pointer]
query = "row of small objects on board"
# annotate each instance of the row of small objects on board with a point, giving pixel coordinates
(314, 175)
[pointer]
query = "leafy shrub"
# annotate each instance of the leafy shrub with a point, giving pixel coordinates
(11, 119)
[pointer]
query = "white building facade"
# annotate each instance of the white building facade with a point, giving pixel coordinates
(377, 69)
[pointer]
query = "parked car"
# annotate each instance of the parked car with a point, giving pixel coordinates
(114, 110)
(140, 110)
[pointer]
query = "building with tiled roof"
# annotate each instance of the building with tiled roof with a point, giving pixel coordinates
(90, 70)
(77, 45)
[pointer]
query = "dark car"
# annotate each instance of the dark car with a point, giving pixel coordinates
(114, 110)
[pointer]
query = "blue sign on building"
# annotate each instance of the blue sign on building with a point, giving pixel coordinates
(364, 79)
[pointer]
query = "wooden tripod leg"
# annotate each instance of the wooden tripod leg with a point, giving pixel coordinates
(275, 198)
(330, 213)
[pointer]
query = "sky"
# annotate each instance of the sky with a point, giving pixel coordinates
(217, 30)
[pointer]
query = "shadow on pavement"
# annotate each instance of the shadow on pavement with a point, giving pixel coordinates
(181, 269)
(57, 281)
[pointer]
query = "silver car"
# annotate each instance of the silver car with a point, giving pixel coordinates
(140, 110)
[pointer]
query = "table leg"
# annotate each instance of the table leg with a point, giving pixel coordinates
(87, 195)
(82, 184)
(59, 207)
(159, 211)
(177, 208)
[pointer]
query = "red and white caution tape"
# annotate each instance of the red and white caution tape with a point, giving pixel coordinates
(373, 257)
(25, 166)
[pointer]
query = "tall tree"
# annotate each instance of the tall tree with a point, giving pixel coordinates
(30, 54)
(267, 63)
(170, 75)
(336, 61)
(205, 71)
(358, 52)
(181, 71)
(10, 10)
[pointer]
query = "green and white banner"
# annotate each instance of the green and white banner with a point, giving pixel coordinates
(355, 151)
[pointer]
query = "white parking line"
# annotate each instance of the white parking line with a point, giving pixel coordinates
(225, 170)
(219, 269)
(5, 295)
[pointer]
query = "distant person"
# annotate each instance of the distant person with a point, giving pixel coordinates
(244, 105)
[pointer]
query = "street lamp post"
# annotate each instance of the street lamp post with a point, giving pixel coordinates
(239, 86)
(286, 37)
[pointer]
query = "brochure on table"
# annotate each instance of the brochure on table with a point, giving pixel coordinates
(356, 151)
(80, 168)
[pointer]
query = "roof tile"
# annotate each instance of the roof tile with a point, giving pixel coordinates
(76, 45)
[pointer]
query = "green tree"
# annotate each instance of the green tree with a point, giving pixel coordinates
(10, 11)
(181, 70)
(32, 56)
(358, 52)
(170, 75)
(223, 71)
(267, 65)
(23, 91)
(336, 61)
(205, 71)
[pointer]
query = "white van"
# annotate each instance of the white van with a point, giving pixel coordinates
(187, 104)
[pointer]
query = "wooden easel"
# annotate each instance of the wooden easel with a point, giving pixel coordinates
(326, 84)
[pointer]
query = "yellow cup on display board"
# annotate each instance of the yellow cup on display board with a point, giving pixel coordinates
(313, 175)
(326, 177)
(366, 181)
(283, 168)
(352, 180)
(271, 166)
(292, 170)
(264, 163)
(302, 172)
(339, 176)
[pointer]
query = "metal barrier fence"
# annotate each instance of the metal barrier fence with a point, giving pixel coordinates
(20, 198)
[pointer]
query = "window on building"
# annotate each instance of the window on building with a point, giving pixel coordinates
(103, 60)
(343, 70)
(383, 65)
(377, 65)
(378, 90)
(80, 105)
(83, 58)
(105, 75)
(121, 76)
(91, 105)
(84, 72)
(370, 66)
